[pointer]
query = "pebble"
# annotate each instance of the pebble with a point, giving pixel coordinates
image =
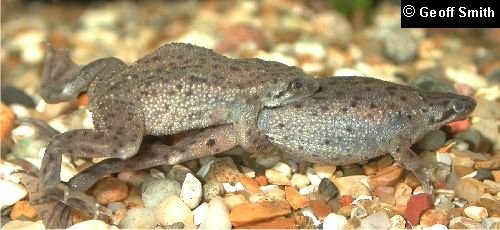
(351, 170)
(294, 198)
(22, 209)
(359, 189)
(248, 172)
(223, 170)
(283, 169)
(191, 191)
(261, 180)
(217, 216)
(476, 213)
(384, 162)
(92, 224)
(212, 189)
(483, 174)
(491, 223)
(433, 216)
(307, 190)
(320, 208)
(400, 46)
(378, 220)
(277, 177)
(6, 121)
(200, 213)
(327, 189)
(444, 158)
(308, 212)
(432, 140)
(155, 190)
(253, 212)
(299, 181)
(250, 184)
(233, 200)
(358, 211)
(229, 188)
(267, 160)
(472, 136)
(110, 189)
(172, 210)
(12, 193)
(324, 171)
(144, 218)
(469, 189)
(416, 206)
(397, 222)
(463, 223)
(389, 176)
(334, 222)
(278, 223)
(22, 224)
(134, 178)
(370, 168)
(491, 164)
(313, 178)
(344, 184)
(268, 193)
(178, 173)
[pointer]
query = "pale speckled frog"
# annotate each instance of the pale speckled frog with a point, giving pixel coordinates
(349, 119)
(175, 88)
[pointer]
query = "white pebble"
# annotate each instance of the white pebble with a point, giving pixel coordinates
(233, 200)
(200, 213)
(283, 168)
(11, 193)
(172, 210)
(378, 220)
(191, 191)
(139, 218)
(299, 181)
(217, 215)
(248, 172)
(267, 160)
(307, 190)
(313, 178)
(233, 188)
(476, 213)
(324, 171)
(334, 222)
(444, 158)
(22, 224)
(154, 191)
(276, 177)
(397, 222)
(309, 213)
(437, 227)
(92, 224)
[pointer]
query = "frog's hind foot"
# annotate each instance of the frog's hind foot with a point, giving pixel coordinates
(55, 211)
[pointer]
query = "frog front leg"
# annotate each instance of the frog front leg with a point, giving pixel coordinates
(119, 128)
(244, 115)
(401, 152)
(209, 142)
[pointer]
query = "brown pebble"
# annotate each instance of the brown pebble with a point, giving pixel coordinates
(433, 216)
(248, 213)
(496, 175)
(78, 216)
(389, 176)
(295, 199)
(109, 190)
(278, 223)
(491, 164)
(462, 170)
(261, 180)
(22, 208)
(370, 168)
(320, 208)
(250, 184)
(6, 121)
(134, 199)
(469, 189)
(346, 210)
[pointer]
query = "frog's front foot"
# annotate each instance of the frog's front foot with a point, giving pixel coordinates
(54, 204)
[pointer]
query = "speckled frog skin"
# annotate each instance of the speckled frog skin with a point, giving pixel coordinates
(349, 119)
(177, 87)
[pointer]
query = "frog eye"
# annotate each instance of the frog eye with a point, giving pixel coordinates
(296, 84)
(459, 106)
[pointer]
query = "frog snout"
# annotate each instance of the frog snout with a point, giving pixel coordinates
(464, 105)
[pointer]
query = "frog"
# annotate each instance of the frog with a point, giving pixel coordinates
(175, 88)
(348, 120)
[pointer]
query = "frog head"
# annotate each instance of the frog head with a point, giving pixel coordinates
(289, 89)
(59, 77)
(443, 108)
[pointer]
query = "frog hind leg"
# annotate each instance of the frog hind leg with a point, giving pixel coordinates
(211, 141)
(118, 134)
(404, 155)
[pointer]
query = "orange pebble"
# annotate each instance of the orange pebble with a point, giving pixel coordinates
(346, 200)
(83, 100)
(261, 180)
(6, 121)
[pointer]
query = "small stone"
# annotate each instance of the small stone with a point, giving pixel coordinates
(433, 216)
(462, 171)
(278, 223)
(268, 160)
(483, 174)
(6, 120)
(489, 223)
(139, 218)
(217, 215)
(307, 190)
(295, 199)
(110, 189)
(212, 189)
(351, 170)
(400, 46)
(22, 224)
(463, 223)
(172, 210)
(22, 209)
(469, 189)
(134, 199)
(11, 193)
(268, 193)
(334, 222)
(389, 176)
(358, 211)
(476, 213)
(402, 189)
(250, 185)
(327, 189)
(378, 220)
(223, 170)
(248, 172)
(320, 208)
(359, 189)
(313, 178)
(200, 213)
(432, 140)
(283, 169)
(178, 173)
(92, 224)
(153, 191)
(299, 181)
(276, 177)
(443, 158)
(384, 162)
(491, 164)
(191, 191)
(253, 212)
(324, 171)
(261, 180)
(370, 168)
(397, 222)
(346, 200)
(416, 206)
(233, 200)
(344, 184)
(311, 219)
(229, 188)
(472, 136)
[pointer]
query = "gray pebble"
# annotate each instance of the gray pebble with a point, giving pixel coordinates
(483, 174)
(400, 46)
(472, 136)
(153, 191)
(212, 189)
(139, 218)
(327, 189)
(432, 140)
